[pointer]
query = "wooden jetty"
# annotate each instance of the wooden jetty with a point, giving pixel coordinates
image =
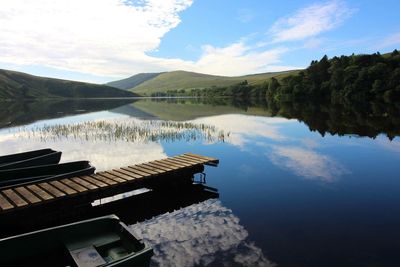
(59, 193)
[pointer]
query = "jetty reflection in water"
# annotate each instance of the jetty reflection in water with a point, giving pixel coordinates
(313, 184)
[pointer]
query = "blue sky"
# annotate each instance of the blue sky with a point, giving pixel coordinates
(99, 41)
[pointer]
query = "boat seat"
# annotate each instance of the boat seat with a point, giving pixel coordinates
(95, 241)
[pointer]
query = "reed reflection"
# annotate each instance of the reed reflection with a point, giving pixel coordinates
(128, 130)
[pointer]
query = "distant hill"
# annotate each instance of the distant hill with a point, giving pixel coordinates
(18, 85)
(133, 81)
(178, 80)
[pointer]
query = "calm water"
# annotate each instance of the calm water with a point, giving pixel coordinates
(322, 191)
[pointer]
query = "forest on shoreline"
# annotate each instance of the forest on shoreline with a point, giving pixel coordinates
(344, 78)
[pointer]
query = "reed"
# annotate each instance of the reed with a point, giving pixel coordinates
(129, 131)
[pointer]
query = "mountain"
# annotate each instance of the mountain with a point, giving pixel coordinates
(133, 81)
(18, 85)
(178, 80)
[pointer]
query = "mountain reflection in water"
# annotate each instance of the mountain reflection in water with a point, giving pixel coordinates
(202, 234)
(313, 184)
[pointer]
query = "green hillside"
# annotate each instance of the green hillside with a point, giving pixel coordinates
(133, 81)
(18, 85)
(177, 80)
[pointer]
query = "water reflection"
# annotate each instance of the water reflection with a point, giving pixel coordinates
(267, 136)
(307, 163)
(16, 113)
(250, 127)
(129, 130)
(202, 234)
(366, 119)
(104, 155)
(361, 119)
(276, 163)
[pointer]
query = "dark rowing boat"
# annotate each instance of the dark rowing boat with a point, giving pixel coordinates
(45, 172)
(104, 241)
(30, 158)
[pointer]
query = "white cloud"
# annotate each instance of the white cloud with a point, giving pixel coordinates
(391, 40)
(101, 37)
(113, 38)
(310, 21)
(239, 58)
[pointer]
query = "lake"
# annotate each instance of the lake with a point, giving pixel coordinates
(298, 185)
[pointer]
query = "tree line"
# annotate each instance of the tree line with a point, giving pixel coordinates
(350, 78)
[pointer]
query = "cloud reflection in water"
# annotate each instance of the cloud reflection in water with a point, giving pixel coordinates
(103, 155)
(201, 234)
(301, 158)
(306, 163)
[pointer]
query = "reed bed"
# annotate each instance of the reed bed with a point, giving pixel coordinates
(129, 131)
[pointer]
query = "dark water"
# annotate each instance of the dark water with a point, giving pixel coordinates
(299, 184)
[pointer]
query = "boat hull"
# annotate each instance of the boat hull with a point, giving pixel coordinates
(31, 158)
(54, 246)
(45, 172)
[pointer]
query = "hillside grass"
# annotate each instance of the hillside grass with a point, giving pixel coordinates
(18, 85)
(183, 80)
(133, 81)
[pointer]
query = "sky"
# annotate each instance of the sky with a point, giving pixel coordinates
(104, 40)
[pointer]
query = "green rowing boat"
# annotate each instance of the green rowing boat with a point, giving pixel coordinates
(104, 241)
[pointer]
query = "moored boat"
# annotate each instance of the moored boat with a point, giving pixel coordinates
(31, 158)
(104, 241)
(45, 172)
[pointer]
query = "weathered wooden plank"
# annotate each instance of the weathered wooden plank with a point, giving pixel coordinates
(84, 183)
(151, 168)
(166, 165)
(210, 159)
(135, 175)
(155, 165)
(143, 169)
(62, 187)
(73, 185)
(93, 181)
(40, 192)
(112, 177)
(193, 159)
(144, 174)
(5, 204)
(121, 175)
(199, 156)
(51, 189)
(35, 193)
(28, 195)
(15, 198)
(185, 161)
(103, 179)
(178, 163)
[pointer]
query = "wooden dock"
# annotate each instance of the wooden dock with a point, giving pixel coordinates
(85, 189)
